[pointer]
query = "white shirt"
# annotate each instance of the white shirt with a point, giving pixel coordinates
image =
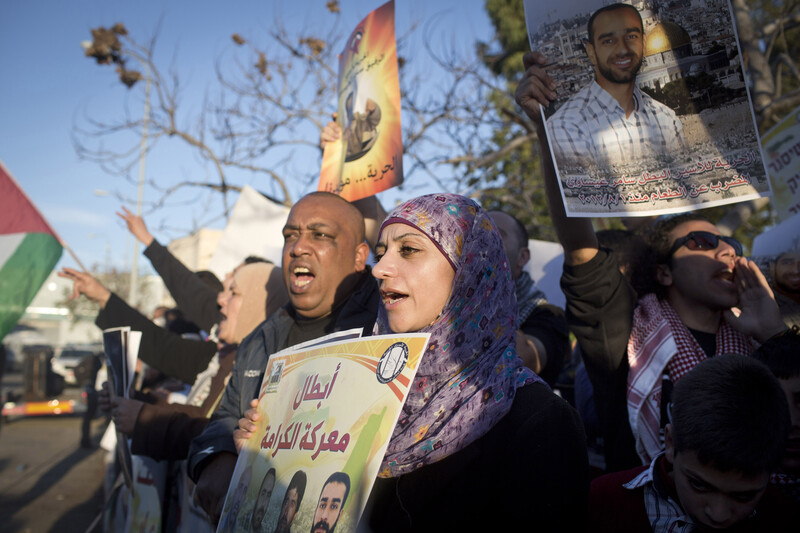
(591, 129)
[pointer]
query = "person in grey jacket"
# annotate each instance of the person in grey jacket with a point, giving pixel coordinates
(330, 289)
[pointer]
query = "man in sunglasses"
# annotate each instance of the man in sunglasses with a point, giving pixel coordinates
(707, 300)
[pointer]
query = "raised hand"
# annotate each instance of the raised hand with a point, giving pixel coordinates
(136, 226)
(86, 284)
(536, 86)
(758, 314)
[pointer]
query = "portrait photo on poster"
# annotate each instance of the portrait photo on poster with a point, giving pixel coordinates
(652, 113)
(327, 411)
(367, 158)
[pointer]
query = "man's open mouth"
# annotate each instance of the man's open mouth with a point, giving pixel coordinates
(724, 275)
(301, 276)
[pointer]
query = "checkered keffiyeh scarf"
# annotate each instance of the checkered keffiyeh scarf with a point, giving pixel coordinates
(529, 297)
(659, 341)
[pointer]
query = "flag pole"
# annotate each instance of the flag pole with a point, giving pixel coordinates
(75, 257)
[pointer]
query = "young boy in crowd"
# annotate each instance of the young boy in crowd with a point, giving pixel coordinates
(727, 433)
(780, 354)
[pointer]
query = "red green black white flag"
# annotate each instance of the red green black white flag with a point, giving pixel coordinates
(29, 249)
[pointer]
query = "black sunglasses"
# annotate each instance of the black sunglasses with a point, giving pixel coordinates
(704, 240)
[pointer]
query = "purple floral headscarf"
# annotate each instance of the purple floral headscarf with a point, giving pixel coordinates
(470, 373)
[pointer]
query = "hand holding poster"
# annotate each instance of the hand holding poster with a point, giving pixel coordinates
(327, 414)
(368, 157)
(651, 113)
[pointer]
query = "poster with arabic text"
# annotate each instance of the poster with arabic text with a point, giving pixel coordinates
(782, 152)
(368, 157)
(327, 414)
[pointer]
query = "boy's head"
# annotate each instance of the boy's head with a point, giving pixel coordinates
(780, 356)
(728, 427)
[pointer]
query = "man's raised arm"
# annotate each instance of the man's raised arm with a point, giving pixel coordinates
(197, 300)
(599, 302)
(575, 234)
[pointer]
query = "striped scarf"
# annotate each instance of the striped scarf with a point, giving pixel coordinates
(659, 341)
(529, 297)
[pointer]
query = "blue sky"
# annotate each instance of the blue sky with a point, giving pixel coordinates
(47, 82)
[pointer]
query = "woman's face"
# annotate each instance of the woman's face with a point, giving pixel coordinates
(231, 304)
(415, 278)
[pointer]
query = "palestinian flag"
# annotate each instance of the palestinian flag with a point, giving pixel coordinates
(29, 249)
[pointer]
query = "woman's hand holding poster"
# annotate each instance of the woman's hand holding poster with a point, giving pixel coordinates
(327, 414)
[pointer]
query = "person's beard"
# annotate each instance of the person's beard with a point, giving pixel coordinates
(324, 525)
(608, 73)
(256, 522)
(283, 526)
(786, 289)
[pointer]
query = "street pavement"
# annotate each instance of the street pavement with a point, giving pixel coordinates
(48, 483)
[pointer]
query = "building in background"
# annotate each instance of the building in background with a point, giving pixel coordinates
(195, 250)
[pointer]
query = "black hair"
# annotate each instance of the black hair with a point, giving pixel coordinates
(339, 477)
(177, 323)
(660, 242)
(210, 279)
(298, 483)
(604, 9)
(791, 251)
(271, 471)
(660, 239)
(633, 257)
(250, 259)
(521, 231)
(732, 412)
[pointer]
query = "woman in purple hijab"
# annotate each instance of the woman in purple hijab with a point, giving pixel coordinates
(481, 439)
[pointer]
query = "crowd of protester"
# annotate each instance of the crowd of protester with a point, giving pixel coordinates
(676, 408)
